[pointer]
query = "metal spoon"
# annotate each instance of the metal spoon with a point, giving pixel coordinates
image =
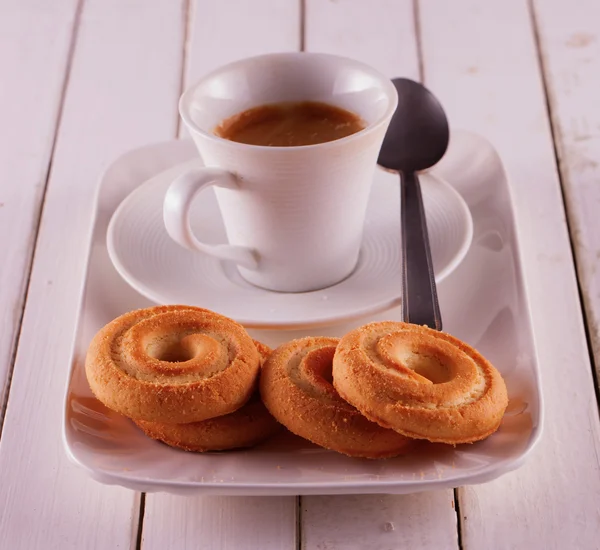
(416, 139)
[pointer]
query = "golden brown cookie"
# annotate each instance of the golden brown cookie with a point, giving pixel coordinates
(295, 386)
(420, 382)
(246, 427)
(174, 364)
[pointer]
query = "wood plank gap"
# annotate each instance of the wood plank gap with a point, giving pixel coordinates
(140, 526)
(559, 169)
(418, 40)
(40, 210)
(302, 44)
(299, 522)
(187, 37)
(458, 518)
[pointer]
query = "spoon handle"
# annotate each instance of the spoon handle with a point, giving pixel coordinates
(419, 294)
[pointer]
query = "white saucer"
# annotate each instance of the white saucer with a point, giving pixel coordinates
(161, 270)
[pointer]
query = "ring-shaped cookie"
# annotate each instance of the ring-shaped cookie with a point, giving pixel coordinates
(173, 364)
(420, 382)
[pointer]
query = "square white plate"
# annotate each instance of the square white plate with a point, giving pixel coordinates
(483, 302)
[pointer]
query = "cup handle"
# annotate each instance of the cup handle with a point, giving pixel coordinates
(176, 214)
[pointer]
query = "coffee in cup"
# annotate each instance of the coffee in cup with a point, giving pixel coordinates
(290, 124)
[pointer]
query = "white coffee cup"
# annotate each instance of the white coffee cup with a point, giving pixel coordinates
(293, 215)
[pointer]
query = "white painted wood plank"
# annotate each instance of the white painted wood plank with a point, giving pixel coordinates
(34, 52)
(480, 59)
(221, 32)
(380, 522)
(570, 44)
(384, 37)
(381, 35)
(219, 523)
(122, 93)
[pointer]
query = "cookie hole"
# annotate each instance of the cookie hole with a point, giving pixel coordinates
(428, 367)
(327, 375)
(171, 352)
(317, 367)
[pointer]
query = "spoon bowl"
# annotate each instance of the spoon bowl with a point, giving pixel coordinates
(418, 134)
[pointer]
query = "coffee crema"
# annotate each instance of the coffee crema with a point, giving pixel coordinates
(290, 124)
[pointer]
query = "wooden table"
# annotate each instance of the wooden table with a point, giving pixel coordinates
(86, 80)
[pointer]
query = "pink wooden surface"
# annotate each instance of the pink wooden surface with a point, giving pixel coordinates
(86, 80)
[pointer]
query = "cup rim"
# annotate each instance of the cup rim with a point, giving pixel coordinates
(387, 86)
